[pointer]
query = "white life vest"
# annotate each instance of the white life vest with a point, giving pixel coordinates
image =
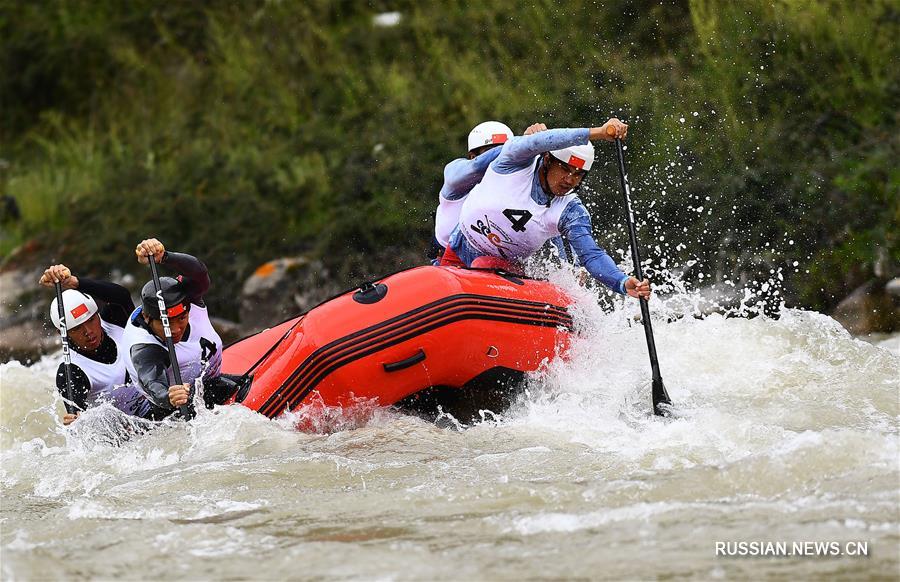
(446, 218)
(200, 352)
(108, 381)
(500, 219)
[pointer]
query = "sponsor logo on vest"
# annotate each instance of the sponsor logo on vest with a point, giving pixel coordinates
(494, 234)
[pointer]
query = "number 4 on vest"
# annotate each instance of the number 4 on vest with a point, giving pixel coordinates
(518, 218)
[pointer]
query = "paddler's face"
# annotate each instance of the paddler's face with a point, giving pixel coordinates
(88, 335)
(561, 177)
(178, 324)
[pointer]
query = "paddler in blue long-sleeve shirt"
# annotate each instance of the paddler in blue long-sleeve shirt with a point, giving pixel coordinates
(462, 174)
(526, 198)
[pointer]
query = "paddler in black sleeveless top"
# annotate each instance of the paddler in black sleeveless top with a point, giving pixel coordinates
(95, 332)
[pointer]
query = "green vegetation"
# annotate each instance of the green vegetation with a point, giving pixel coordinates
(243, 131)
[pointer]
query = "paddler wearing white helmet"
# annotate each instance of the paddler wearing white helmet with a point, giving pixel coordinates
(98, 369)
(462, 174)
(528, 195)
(198, 347)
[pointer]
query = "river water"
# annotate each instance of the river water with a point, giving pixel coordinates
(786, 431)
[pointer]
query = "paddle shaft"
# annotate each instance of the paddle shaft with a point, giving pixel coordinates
(71, 408)
(659, 394)
(167, 331)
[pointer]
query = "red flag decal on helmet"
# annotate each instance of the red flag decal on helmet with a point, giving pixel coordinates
(175, 310)
(576, 162)
(498, 138)
(79, 311)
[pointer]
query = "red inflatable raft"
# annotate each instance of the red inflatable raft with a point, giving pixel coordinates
(428, 336)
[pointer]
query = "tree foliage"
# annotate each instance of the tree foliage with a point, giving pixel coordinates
(244, 131)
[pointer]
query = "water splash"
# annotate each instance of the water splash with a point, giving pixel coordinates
(785, 423)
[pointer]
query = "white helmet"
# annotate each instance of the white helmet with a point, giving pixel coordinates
(487, 133)
(79, 307)
(579, 156)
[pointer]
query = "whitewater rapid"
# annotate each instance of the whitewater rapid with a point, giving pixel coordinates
(786, 430)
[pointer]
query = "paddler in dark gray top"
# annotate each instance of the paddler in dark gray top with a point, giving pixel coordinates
(198, 347)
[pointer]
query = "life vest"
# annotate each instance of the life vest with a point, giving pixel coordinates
(499, 218)
(446, 218)
(200, 352)
(111, 382)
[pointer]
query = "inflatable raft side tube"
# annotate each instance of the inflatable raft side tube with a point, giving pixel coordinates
(403, 327)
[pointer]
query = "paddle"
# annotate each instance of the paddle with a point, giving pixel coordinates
(659, 394)
(167, 331)
(71, 408)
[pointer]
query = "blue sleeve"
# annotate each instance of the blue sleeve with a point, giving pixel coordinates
(461, 175)
(519, 152)
(575, 224)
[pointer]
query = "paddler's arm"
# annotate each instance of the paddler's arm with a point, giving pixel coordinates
(575, 225)
(461, 175)
(150, 362)
(117, 298)
(195, 274)
(519, 152)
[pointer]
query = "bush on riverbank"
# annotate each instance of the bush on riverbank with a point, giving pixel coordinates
(243, 131)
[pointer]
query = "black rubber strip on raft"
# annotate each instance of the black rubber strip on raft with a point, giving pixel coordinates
(311, 371)
(363, 338)
(382, 332)
(402, 328)
(301, 390)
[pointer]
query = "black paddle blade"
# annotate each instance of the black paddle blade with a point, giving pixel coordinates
(662, 404)
(186, 412)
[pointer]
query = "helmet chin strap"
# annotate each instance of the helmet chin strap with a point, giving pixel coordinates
(542, 179)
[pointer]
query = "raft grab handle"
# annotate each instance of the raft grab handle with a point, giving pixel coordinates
(369, 293)
(403, 364)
